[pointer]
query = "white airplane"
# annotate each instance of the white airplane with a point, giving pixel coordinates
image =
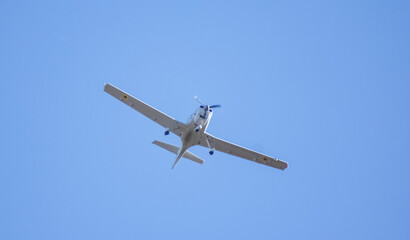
(193, 133)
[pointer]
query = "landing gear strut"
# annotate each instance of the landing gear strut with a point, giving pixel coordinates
(211, 149)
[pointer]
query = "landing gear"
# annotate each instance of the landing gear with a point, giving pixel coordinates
(197, 128)
(211, 149)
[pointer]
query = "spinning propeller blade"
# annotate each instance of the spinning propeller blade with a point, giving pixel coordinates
(207, 106)
(215, 106)
(196, 98)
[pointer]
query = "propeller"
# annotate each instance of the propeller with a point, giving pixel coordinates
(207, 106)
(196, 98)
(215, 106)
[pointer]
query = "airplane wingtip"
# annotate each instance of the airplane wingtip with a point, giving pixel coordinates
(106, 85)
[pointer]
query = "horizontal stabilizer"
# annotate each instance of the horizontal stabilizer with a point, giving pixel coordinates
(174, 149)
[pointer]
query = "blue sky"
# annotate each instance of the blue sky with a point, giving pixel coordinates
(323, 85)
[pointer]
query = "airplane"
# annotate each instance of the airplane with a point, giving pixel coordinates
(193, 133)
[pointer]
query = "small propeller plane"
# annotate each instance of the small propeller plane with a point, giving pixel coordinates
(193, 133)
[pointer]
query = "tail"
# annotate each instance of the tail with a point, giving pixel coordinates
(179, 155)
(180, 152)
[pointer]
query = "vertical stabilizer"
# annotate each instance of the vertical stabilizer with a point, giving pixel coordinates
(175, 150)
(180, 153)
(176, 161)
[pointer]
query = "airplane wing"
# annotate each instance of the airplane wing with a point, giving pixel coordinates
(233, 149)
(155, 115)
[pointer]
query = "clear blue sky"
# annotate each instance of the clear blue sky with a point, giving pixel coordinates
(323, 85)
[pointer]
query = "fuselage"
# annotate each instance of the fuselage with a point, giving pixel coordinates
(197, 124)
